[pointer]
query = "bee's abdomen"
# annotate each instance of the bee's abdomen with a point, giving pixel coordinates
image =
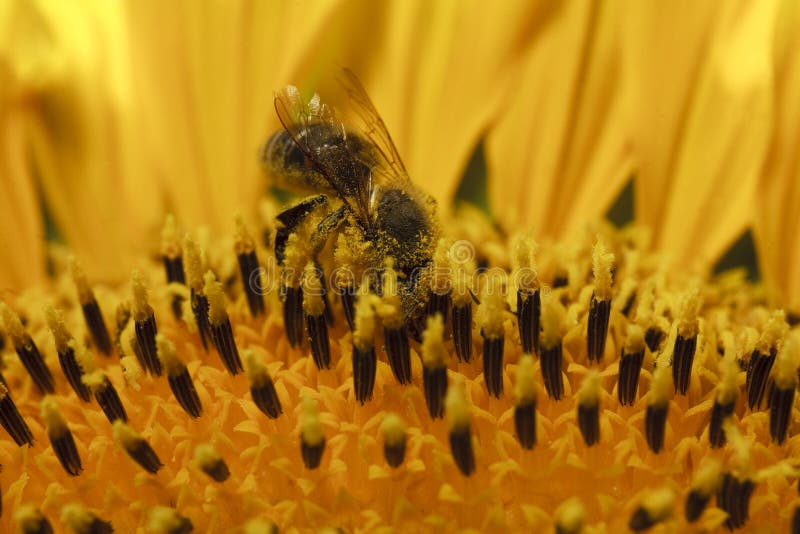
(288, 167)
(407, 224)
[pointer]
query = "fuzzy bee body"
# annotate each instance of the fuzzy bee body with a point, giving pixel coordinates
(362, 188)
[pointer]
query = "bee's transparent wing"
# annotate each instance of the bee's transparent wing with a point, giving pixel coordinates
(311, 126)
(366, 121)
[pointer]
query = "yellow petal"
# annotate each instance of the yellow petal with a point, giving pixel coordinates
(700, 80)
(74, 129)
(777, 223)
(21, 232)
(205, 75)
(559, 154)
(23, 45)
(437, 77)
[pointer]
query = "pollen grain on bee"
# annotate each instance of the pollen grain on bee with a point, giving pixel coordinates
(269, 277)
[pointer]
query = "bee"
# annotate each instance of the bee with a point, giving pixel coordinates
(360, 185)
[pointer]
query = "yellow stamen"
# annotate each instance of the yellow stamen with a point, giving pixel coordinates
(602, 263)
(55, 321)
(492, 309)
(54, 421)
(434, 353)
(589, 392)
(217, 314)
(786, 363)
(313, 303)
(170, 240)
(13, 325)
(169, 356)
(141, 308)
(390, 309)
(393, 429)
(570, 516)
(634, 339)
(364, 333)
(525, 387)
(85, 293)
(193, 264)
(310, 426)
(243, 242)
(687, 315)
(457, 408)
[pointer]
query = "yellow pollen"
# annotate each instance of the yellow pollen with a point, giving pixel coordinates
(440, 281)
(786, 363)
(165, 520)
(460, 283)
(3, 391)
(168, 356)
(55, 321)
(728, 387)
(525, 387)
(82, 356)
(364, 331)
(570, 516)
(257, 373)
(634, 339)
(492, 309)
(434, 353)
(393, 429)
(589, 392)
(132, 372)
(707, 478)
(125, 435)
(193, 264)
(141, 308)
(740, 447)
(170, 240)
(77, 517)
(552, 318)
(659, 503)
(310, 426)
(217, 313)
(296, 255)
(243, 242)
(85, 293)
(687, 314)
(13, 325)
(260, 526)
(457, 407)
(94, 380)
(313, 303)
(602, 263)
(659, 387)
(206, 456)
(773, 333)
(28, 517)
(390, 309)
(55, 422)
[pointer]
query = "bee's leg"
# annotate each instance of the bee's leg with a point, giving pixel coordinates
(290, 219)
(325, 228)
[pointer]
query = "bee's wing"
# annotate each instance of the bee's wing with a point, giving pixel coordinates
(298, 118)
(367, 122)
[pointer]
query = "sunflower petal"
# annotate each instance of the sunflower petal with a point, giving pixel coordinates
(559, 155)
(439, 77)
(700, 77)
(206, 73)
(73, 139)
(777, 222)
(23, 42)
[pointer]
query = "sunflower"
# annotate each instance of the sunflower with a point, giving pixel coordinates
(559, 372)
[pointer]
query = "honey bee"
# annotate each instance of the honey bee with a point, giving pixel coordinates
(362, 187)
